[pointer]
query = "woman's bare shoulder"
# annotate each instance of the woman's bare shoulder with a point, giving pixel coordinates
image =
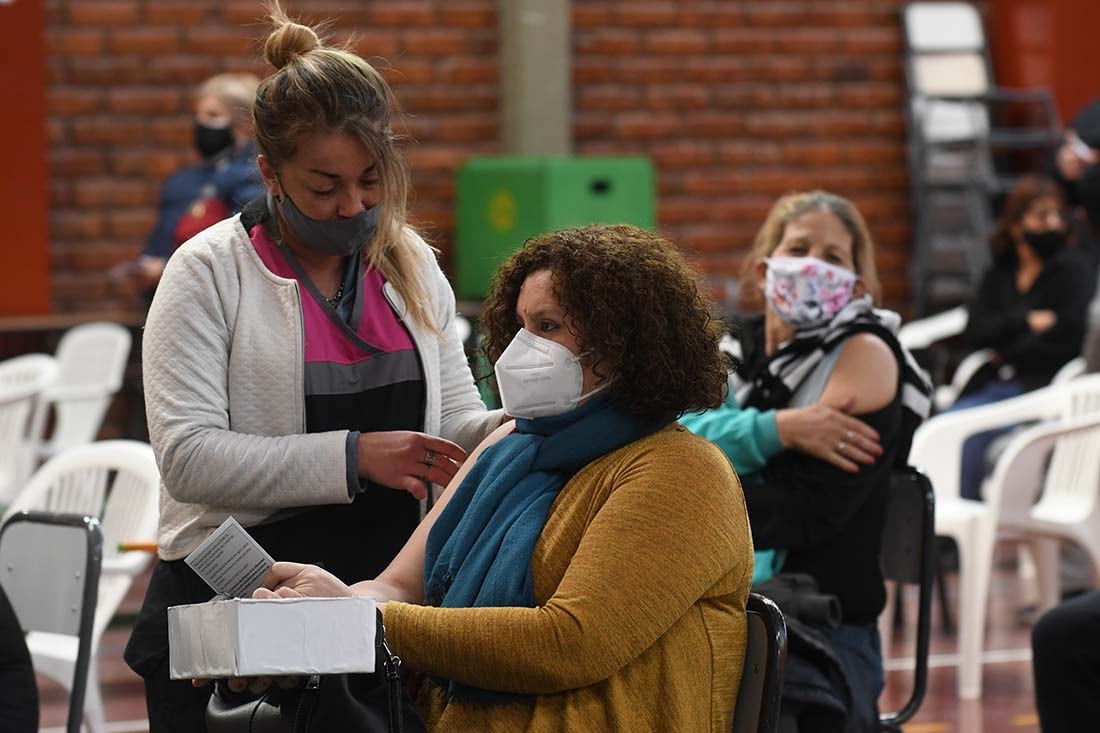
(867, 371)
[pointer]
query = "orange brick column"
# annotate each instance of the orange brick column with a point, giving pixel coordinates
(24, 255)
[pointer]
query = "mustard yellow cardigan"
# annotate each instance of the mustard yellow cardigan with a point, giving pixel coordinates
(640, 575)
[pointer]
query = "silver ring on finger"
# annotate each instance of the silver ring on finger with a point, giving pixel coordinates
(840, 446)
(848, 436)
(430, 458)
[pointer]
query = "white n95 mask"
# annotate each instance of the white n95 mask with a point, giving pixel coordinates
(538, 377)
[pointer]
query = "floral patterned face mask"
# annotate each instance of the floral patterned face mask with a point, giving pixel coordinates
(805, 291)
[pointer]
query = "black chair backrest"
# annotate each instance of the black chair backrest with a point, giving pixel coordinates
(907, 540)
(49, 567)
(761, 688)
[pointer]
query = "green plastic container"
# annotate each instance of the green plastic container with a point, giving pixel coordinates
(504, 201)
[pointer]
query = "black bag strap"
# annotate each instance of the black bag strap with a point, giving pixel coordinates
(306, 704)
(392, 664)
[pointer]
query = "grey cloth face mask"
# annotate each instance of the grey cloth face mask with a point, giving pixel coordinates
(343, 237)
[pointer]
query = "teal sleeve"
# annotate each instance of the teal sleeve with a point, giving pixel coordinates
(767, 564)
(747, 436)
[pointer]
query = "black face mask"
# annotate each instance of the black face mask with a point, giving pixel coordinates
(212, 140)
(1046, 244)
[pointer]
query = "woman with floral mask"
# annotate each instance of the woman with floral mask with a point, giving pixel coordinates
(589, 570)
(1030, 309)
(303, 372)
(821, 342)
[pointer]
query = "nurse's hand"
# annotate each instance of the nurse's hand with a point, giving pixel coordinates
(295, 580)
(403, 459)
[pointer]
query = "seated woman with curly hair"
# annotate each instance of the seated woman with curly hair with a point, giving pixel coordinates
(588, 567)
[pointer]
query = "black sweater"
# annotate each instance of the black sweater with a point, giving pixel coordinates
(998, 316)
(829, 521)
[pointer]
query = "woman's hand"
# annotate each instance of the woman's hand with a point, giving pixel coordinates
(295, 580)
(1073, 156)
(402, 459)
(1039, 321)
(829, 434)
(288, 580)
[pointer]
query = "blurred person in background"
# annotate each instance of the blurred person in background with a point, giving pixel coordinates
(199, 195)
(1029, 309)
(1076, 168)
(303, 372)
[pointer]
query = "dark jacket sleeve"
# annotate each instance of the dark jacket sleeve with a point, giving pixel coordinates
(804, 501)
(991, 321)
(240, 183)
(160, 242)
(1069, 290)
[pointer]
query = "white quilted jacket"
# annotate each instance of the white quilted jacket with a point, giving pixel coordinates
(224, 383)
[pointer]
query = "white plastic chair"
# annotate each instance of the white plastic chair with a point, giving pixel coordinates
(1070, 370)
(1065, 411)
(92, 359)
(1068, 491)
(22, 381)
(116, 481)
(946, 395)
(923, 332)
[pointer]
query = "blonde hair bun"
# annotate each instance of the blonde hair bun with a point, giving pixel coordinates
(289, 40)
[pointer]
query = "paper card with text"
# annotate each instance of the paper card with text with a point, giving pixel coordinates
(230, 561)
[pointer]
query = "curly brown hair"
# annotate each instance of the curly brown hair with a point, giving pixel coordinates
(634, 302)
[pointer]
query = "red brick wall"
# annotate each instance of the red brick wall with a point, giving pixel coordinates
(739, 102)
(120, 74)
(736, 102)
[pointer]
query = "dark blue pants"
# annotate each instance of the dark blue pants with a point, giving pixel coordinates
(975, 447)
(859, 650)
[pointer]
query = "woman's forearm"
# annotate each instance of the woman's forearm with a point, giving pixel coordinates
(383, 591)
(404, 576)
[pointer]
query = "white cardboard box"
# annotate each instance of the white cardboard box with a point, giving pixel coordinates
(245, 637)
